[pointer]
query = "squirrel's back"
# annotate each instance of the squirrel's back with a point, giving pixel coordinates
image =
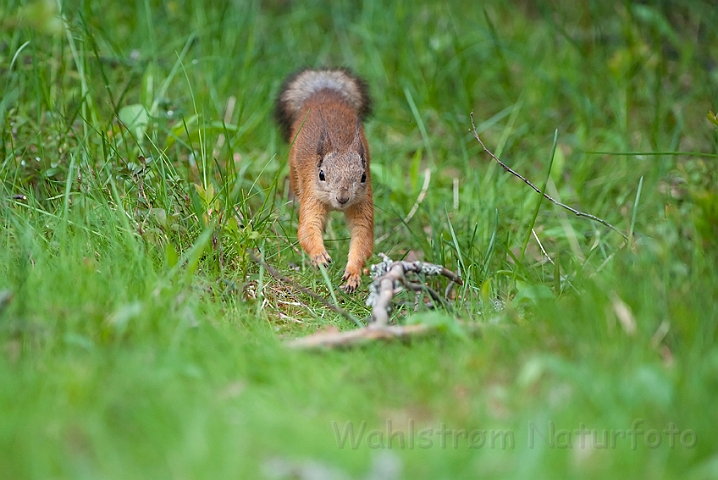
(300, 86)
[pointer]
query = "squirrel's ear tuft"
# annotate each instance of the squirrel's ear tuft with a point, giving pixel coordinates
(325, 145)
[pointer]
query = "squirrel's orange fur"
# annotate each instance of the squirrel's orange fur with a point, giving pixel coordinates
(320, 112)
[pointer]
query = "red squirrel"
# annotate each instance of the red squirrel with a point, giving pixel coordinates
(320, 114)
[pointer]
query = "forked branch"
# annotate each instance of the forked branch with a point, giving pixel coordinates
(390, 276)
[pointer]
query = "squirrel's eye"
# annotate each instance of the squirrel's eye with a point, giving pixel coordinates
(321, 175)
(363, 177)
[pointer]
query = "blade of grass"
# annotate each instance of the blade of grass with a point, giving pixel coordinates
(537, 207)
(506, 132)
(419, 123)
(462, 265)
(330, 286)
(260, 283)
(652, 154)
(635, 210)
(68, 188)
(490, 248)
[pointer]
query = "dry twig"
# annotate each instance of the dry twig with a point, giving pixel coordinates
(333, 339)
(389, 276)
(545, 195)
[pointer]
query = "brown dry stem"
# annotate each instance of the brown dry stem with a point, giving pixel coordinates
(359, 336)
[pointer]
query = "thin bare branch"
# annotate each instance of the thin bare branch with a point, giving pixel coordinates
(333, 339)
(548, 197)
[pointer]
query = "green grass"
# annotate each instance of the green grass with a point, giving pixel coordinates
(140, 165)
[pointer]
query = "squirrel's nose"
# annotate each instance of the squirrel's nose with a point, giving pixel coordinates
(342, 199)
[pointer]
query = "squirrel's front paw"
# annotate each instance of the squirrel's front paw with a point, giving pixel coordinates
(322, 259)
(352, 281)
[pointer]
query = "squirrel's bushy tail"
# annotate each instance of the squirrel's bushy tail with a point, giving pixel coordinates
(301, 85)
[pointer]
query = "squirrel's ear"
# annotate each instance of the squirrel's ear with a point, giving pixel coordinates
(325, 145)
(357, 144)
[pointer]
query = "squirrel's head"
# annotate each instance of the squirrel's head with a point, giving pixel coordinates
(342, 176)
